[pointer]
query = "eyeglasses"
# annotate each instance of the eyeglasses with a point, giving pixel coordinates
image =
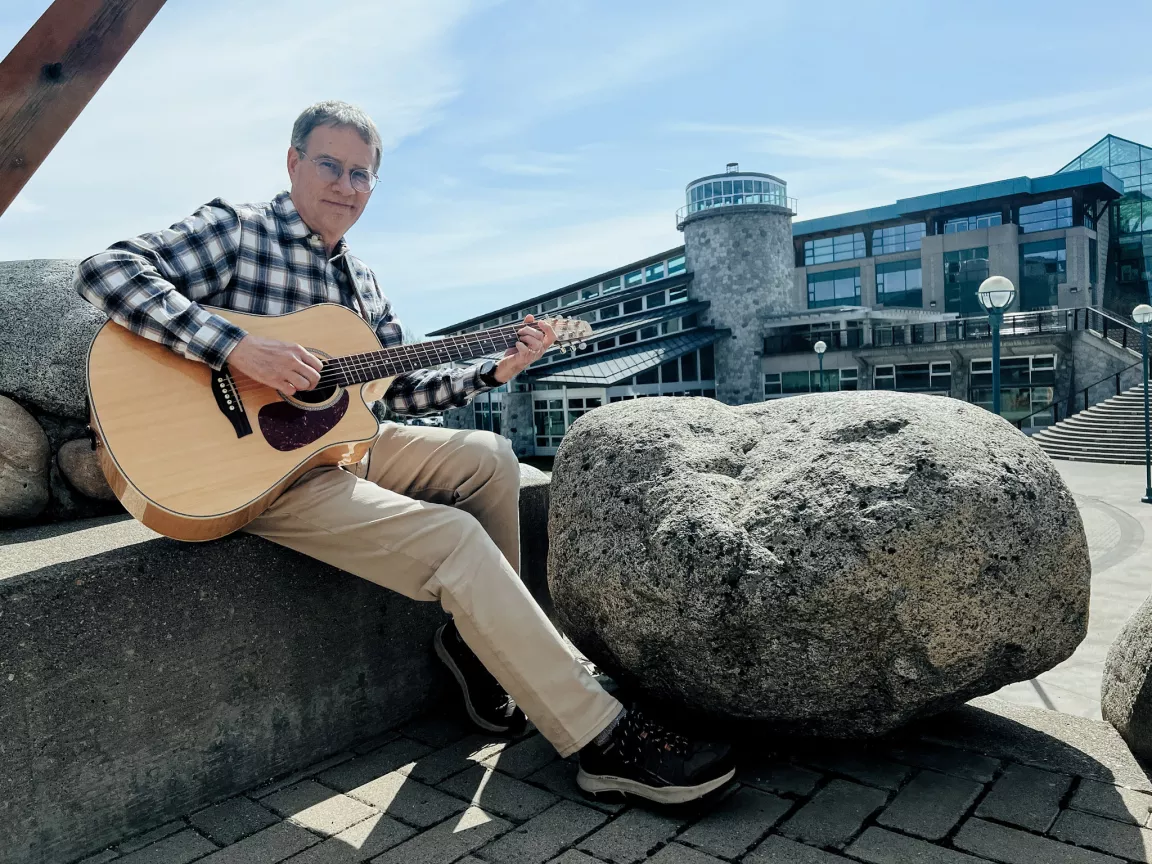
(330, 171)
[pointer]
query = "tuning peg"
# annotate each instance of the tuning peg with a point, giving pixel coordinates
(582, 345)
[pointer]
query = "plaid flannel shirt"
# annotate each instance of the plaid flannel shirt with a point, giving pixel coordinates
(256, 258)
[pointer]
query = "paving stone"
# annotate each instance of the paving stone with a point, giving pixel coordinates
(1084, 829)
(408, 800)
(781, 850)
(1114, 802)
(150, 837)
(524, 757)
(318, 808)
(364, 769)
(931, 805)
(178, 848)
(878, 846)
(362, 841)
(439, 730)
(781, 777)
(544, 836)
(869, 768)
(444, 763)
(451, 839)
(559, 778)
(376, 742)
(947, 760)
(630, 837)
(1010, 846)
(674, 853)
(834, 814)
(297, 776)
(232, 820)
(496, 793)
(1025, 796)
(572, 856)
(738, 823)
(269, 846)
(101, 857)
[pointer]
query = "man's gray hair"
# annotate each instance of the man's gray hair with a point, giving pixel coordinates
(335, 113)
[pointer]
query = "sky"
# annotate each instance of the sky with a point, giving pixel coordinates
(532, 143)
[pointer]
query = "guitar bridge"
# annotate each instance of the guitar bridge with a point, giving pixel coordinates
(228, 401)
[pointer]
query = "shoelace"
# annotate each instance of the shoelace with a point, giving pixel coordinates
(639, 735)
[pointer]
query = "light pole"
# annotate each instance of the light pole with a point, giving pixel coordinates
(1142, 315)
(995, 295)
(820, 347)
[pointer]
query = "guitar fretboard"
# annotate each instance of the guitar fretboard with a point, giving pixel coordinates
(389, 362)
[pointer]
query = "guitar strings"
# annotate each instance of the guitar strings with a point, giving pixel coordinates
(339, 371)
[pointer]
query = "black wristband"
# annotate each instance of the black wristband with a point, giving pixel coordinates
(488, 374)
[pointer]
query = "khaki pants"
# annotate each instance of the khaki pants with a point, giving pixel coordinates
(432, 513)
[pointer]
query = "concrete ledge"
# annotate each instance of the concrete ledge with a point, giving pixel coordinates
(142, 678)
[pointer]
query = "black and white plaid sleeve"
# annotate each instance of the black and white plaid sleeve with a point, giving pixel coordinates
(150, 283)
(426, 391)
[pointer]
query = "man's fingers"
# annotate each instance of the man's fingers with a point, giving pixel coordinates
(305, 356)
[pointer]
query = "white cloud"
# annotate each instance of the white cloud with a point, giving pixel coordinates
(530, 164)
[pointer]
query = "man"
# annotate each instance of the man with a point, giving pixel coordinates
(431, 513)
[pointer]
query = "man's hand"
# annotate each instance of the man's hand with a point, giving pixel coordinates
(280, 365)
(536, 337)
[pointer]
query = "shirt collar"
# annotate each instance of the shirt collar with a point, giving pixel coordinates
(293, 226)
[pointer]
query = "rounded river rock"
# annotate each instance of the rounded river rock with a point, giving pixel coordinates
(835, 564)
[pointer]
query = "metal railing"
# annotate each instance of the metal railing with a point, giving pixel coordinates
(723, 202)
(1018, 324)
(1073, 401)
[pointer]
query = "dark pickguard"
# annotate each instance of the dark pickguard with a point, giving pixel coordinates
(287, 427)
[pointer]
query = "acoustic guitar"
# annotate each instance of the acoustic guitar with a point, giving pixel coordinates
(195, 454)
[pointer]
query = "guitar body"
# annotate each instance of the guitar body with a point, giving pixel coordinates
(171, 436)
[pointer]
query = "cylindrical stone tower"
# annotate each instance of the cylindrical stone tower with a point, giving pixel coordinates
(738, 244)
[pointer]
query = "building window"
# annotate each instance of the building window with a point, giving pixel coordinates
(707, 366)
(897, 238)
(1046, 216)
(971, 223)
(550, 304)
(772, 384)
(849, 379)
(590, 292)
(1027, 384)
(610, 285)
(649, 376)
(841, 248)
(605, 344)
(569, 299)
(1043, 267)
(914, 377)
(676, 265)
(612, 311)
(488, 415)
(834, 288)
(899, 283)
(792, 383)
(677, 295)
(1093, 262)
(633, 279)
(654, 271)
(657, 299)
(688, 368)
(627, 338)
(670, 326)
(577, 408)
(633, 305)
(548, 415)
(964, 270)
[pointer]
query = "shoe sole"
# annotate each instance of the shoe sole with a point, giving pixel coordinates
(447, 660)
(596, 784)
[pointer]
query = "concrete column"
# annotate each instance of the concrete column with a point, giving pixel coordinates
(518, 423)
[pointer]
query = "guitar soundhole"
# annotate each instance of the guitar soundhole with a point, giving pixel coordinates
(314, 397)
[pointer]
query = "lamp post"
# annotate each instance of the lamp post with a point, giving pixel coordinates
(820, 347)
(1142, 315)
(995, 295)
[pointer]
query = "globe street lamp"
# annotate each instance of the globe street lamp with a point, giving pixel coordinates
(995, 295)
(820, 347)
(1142, 315)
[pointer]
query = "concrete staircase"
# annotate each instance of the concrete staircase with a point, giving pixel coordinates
(1111, 431)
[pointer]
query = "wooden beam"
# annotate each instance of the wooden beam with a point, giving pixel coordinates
(53, 72)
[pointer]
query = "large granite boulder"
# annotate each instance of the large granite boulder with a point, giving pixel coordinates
(45, 328)
(835, 564)
(23, 464)
(1126, 690)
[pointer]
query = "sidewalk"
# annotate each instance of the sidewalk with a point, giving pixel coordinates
(1119, 529)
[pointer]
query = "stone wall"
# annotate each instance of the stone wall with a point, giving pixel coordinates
(741, 260)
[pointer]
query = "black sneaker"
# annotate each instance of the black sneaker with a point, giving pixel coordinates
(647, 760)
(487, 704)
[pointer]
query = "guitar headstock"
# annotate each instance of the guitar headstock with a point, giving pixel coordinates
(570, 332)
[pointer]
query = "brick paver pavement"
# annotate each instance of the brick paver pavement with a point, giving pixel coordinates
(992, 783)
